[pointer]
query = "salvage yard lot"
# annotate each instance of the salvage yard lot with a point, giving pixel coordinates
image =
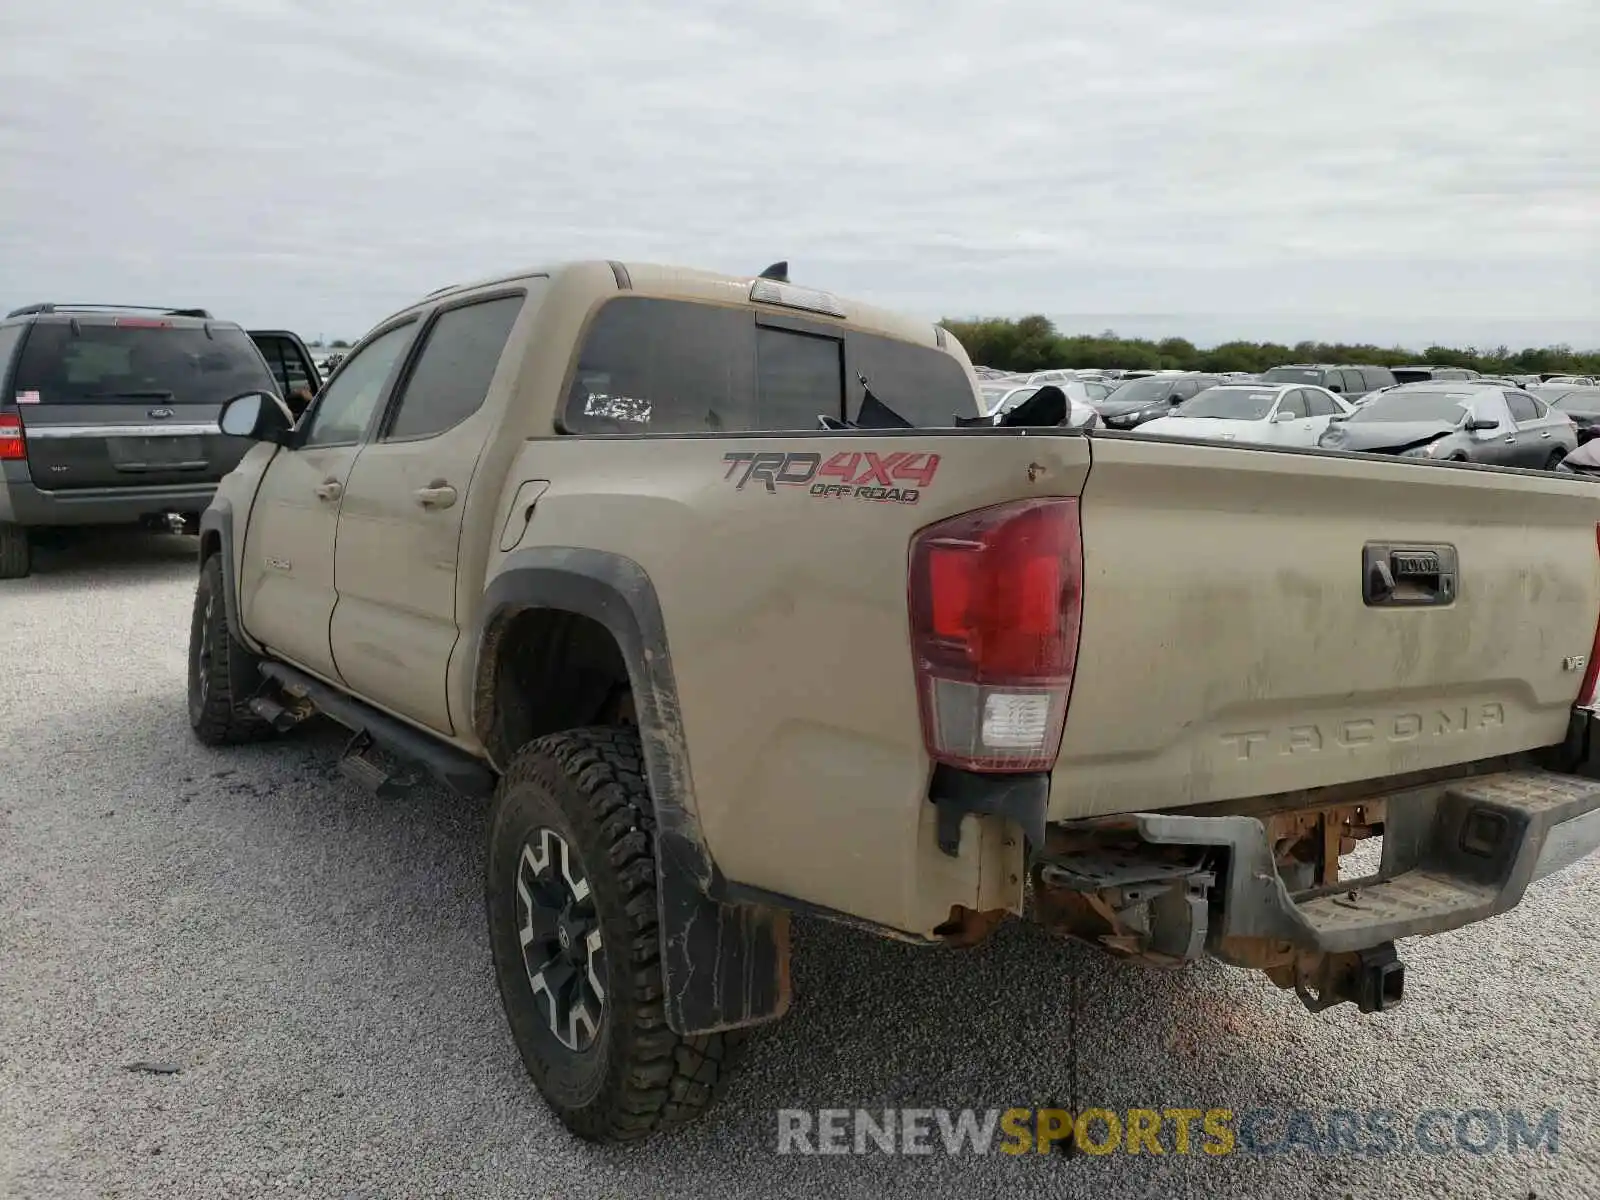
(313, 962)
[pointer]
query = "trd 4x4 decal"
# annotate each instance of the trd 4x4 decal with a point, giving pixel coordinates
(864, 474)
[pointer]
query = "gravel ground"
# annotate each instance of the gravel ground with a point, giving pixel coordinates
(314, 962)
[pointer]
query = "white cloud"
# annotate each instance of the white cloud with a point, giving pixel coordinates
(1240, 157)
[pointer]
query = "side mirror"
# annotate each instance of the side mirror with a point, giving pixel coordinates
(1481, 425)
(1279, 417)
(258, 415)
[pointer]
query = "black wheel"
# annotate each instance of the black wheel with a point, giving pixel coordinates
(1554, 461)
(222, 673)
(16, 555)
(572, 926)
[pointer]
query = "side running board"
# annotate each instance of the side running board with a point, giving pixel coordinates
(458, 771)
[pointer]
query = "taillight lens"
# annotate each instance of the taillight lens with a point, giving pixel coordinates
(1587, 692)
(996, 601)
(11, 444)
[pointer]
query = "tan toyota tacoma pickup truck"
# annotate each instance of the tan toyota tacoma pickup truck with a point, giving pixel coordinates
(637, 551)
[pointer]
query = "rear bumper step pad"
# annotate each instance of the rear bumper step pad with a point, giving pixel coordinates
(1454, 853)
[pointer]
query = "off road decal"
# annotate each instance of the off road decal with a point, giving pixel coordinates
(894, 478)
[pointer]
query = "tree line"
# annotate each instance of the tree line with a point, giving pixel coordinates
(1034, 344)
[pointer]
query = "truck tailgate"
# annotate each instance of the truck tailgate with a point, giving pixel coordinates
(1241, 636)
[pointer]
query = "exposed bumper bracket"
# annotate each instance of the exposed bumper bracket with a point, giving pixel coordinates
(1024, 799)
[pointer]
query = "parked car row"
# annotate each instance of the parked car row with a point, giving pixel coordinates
(1429, 411)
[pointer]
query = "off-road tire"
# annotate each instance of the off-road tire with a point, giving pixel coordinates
(223, 674)
(638, 1077)
(16, 554)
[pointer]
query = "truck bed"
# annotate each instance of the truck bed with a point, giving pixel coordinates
(1228, 649)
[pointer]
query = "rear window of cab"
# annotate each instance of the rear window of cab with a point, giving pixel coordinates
(649, 365)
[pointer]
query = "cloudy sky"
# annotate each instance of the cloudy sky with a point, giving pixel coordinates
(1383, 168)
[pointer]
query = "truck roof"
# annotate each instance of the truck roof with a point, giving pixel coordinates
(604, 278)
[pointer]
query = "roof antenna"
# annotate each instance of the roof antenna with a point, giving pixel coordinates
(777, 272)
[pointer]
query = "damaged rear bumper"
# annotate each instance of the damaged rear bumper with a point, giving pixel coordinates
(1453, 854)
(1265, 891)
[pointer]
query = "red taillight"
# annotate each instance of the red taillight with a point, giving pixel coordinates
(1591, 674)
(996, 600)
(11, 443)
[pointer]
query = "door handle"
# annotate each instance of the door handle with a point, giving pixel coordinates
(329, 489)
(437, 494)
(1545, 434)
(1511, 439)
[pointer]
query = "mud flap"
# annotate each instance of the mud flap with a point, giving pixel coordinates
(723, 965)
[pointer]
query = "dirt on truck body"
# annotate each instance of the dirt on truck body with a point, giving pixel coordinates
(719, 589)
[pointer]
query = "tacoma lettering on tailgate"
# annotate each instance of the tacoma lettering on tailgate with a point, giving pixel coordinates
(1364, 731)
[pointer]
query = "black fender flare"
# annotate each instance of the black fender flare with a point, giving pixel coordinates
(724, 965)
(217, 521)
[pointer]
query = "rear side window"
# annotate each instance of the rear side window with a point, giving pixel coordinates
(107, 364)
(1522, 407)
(1377, 377)
(450, 380)
(1351, 380)
(674, 366)
(10, 335)
(1319, 404)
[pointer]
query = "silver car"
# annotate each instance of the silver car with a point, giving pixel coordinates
(1457, 422)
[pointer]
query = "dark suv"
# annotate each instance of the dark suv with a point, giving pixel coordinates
(1435, 374)
(1151, 396)
(108, 416)
(1350, 381)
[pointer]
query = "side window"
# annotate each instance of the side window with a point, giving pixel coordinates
(1318, 404)
(663, 366)
(1354, 384)
(1293, 403)
(347, 403)
(1377, 377)
(10, 336)
(450, 380)
(799, 377)
(1522, 407)
(1185, 388)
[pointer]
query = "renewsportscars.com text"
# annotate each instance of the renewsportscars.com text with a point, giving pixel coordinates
(1181, 1131)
